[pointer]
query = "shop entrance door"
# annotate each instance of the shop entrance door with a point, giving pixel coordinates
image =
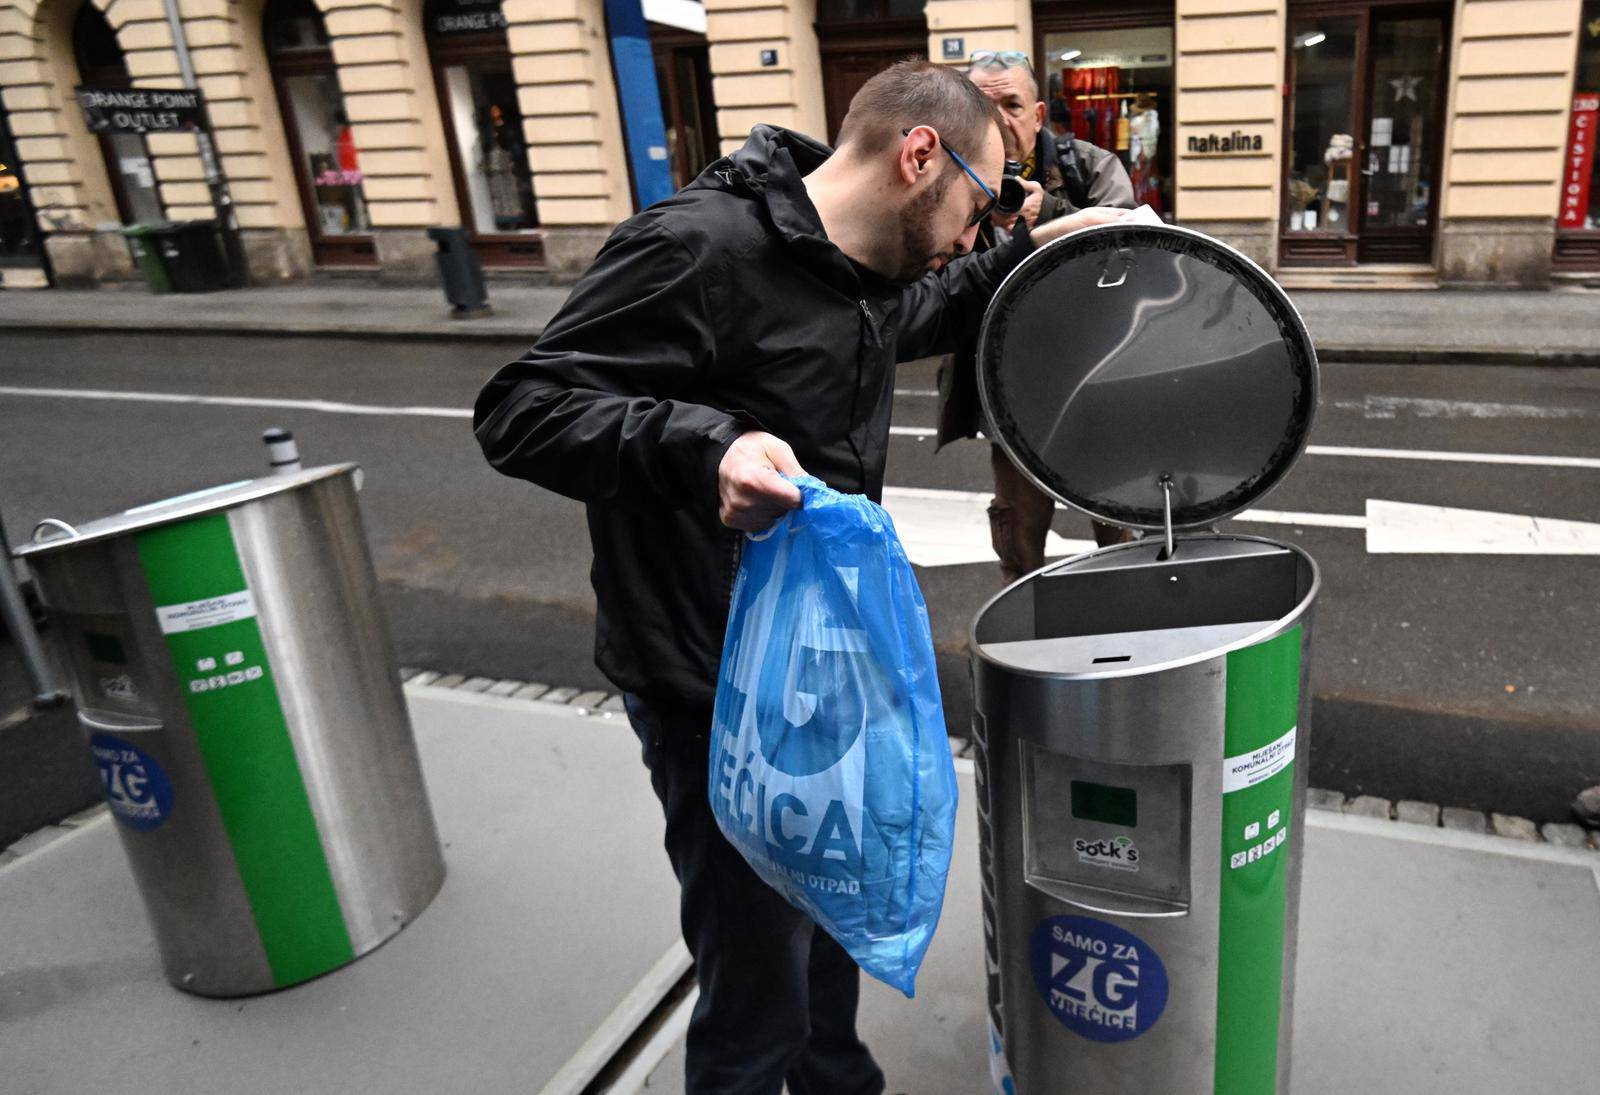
(683, 74)
(321, 141)
(483, 124)
(1365, 136)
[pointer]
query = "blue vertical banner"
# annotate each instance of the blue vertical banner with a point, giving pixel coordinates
(640, 98)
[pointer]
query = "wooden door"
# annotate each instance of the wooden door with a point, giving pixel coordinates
(1363, 139)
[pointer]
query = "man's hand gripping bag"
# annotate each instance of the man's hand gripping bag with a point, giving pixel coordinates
(830, 766)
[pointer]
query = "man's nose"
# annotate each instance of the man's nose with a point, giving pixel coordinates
(965, 241)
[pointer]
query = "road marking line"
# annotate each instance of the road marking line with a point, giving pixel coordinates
(323, 405)
(1457, 457)
(333, 407)
(1391, 406)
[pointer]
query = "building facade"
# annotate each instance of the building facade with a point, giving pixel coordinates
(1363, 142)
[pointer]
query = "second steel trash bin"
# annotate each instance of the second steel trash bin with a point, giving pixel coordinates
(460, 273)
(1141, 714)
(145, 251)
(237, 687)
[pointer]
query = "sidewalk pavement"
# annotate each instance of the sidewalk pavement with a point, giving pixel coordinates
(1444, 326)
(1430, 961)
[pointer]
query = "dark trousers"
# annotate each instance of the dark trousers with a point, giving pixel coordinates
(1020, 516)
(777, 995)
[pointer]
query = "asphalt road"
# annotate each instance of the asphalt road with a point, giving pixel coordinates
(1466, 679)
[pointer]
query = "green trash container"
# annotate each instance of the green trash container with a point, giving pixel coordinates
(146, 254)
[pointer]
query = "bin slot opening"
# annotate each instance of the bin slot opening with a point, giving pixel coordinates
(1113, 658)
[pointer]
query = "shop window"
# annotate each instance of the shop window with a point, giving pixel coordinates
(1113, 88)
(321, 142)
(1578, 215)
(1322, 141)
(101, 64)
(483, 122)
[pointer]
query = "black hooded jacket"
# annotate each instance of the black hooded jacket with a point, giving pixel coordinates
(722, 309)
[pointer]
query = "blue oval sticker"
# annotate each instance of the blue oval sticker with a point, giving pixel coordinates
(135, 786)
(1100, 981)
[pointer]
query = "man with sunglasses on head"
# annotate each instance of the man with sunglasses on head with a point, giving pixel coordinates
(1059, 175)
(744, 330)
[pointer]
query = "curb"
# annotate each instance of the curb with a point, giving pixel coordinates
(1371, 355)
(465, 332)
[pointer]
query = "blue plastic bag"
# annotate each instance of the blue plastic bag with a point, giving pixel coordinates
(830, 766)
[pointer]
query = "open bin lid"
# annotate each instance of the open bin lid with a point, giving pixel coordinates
(1121, 354)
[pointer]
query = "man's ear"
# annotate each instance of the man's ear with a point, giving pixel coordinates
(1038, 117)
(916, 153)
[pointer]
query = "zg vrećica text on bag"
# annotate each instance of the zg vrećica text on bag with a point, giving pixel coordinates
(830, 767)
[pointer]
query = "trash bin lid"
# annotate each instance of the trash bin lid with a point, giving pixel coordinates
(1122, 354)
(172, 510)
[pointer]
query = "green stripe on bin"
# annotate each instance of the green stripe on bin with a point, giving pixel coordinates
(1263, 699)
(249, 757)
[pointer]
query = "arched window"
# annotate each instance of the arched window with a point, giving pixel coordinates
(101, 64)
(483, 123)
(326, 165)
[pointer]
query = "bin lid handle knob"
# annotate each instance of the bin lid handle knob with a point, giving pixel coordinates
(1166, 512)
(51, 522)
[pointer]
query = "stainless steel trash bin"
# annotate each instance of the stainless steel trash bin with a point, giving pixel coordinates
(1141, 714)
(236, 681)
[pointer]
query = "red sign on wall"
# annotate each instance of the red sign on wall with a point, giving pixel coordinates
(1579, 164)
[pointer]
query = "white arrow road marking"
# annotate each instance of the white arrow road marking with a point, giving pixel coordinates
(941, 528)
(1405, 528)
(950, 527)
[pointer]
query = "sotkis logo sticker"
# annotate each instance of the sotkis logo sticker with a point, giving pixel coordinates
(136, 787)
(1118, 854)
(1098, 980)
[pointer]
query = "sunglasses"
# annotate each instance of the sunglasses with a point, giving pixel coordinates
(1000, 58)
(994, 199)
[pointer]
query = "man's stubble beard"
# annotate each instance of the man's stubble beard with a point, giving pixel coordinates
(918, 243)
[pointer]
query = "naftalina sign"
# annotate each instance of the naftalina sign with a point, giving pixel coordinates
(141, 109)
(1237, 141)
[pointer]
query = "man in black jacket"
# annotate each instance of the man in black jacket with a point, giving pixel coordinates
(741, 330)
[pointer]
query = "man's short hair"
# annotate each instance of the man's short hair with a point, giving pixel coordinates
(918, 92)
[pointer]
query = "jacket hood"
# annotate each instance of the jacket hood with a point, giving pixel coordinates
(769, 169)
